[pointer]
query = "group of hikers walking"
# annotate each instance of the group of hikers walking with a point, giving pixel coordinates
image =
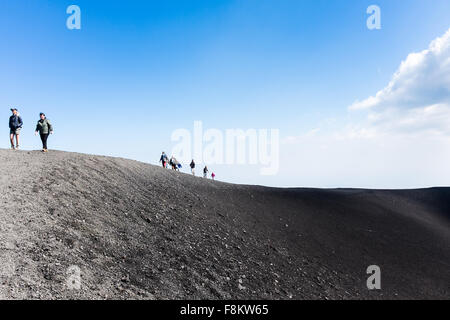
(43, 127)
(176, 165)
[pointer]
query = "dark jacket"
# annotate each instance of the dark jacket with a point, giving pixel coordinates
(15, 122)
(44, 126)
(192, 164)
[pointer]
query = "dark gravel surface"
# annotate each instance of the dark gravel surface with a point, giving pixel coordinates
(137, 231)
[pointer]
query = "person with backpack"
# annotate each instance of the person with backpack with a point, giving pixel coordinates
(164, 159)
(192, 165)
(213, 176)
(175, 164)
(44, 128)
(205, 172)
(15, 125)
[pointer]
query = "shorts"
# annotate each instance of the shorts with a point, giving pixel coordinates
(15, 132)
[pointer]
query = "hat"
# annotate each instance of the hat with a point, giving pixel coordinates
(14, 109)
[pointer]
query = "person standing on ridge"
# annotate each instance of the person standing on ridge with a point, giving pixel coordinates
(192, 167)
(175, 164)
(44, 128)
(15, 125)
(164, 159)
(213, 176)
(205, 172)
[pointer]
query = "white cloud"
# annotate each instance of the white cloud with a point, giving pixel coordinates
(400, 138)
(417, 98)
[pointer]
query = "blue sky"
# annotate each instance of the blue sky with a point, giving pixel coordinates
(138, 70)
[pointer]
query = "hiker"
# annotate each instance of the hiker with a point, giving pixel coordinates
(192, 165)
(164, 159)
(213, 176)
(205, 172)
(44, 128)
(175, 164)
(15, 125)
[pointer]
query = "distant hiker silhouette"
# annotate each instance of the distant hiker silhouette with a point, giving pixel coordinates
(205, 172)
(192, 165)
(164, 159)
(213, 176)
(15, 125)
(44, 128)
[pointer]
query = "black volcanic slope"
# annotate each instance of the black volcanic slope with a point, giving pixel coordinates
(139, 231)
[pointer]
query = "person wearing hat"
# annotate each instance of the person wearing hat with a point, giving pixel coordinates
(44, 128)
(192, 165)
(15, 124)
